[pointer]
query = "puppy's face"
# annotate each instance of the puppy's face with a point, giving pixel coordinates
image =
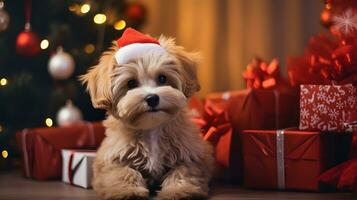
(147, 91)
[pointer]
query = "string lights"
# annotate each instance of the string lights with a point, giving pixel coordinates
(134, 14)
(100, 18)
(85, 8)
(120, 25)
(49, 122)
(4, 154)
(44, 44)
(3, 82)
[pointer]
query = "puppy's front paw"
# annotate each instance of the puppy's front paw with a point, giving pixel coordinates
(182, 193)
(128, 193)
(134, 197)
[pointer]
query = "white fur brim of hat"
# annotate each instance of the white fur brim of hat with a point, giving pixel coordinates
(135, 51)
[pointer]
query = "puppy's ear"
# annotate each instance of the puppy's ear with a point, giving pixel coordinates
(98, 81)
(189, 62)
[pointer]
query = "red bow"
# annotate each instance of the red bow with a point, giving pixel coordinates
(260, 74)
(216, 129)
(326, 61)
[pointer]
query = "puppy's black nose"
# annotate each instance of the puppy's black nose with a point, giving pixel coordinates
(152, 100)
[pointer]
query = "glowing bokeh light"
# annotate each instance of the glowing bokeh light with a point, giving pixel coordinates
(49, 122)
(44, 44)
(120, 25)
(100, 18)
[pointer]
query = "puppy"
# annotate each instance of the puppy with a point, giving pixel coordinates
(144, 84)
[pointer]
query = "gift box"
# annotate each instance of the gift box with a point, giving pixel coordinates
(41, 147)
(286, 159)
(77, 167)
(327, 107)
(259, 108)
(246, 109)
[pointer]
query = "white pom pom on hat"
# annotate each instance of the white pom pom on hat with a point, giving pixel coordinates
(133, 45)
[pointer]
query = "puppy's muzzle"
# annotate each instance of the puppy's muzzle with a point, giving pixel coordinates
(152, 100)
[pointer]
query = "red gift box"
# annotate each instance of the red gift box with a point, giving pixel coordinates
(251, 109)
(259, 108)
(286, 159)
(41, 147)
(327, 107)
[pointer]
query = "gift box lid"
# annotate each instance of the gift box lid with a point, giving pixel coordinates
(82, 152)
(307, 145)
(259, 108)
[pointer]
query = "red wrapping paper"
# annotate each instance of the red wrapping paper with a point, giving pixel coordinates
(306, 156)
(41, 147)
(224, 115)
(258, 108)
(327, 107)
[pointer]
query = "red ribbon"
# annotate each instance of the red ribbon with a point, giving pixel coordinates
(260, 74)
(72, 170)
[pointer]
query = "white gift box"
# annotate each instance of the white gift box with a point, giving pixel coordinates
(77, 167)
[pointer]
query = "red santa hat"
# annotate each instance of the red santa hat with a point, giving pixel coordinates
(133, 44)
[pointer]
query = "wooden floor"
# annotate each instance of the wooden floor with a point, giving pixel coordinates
(13, 186)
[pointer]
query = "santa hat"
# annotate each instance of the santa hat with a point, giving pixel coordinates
(133, 44)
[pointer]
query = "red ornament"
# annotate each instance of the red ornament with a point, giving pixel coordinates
(136, 13)
(326, 18)
(28, 43)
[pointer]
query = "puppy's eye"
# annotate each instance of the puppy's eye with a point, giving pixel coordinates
(161, 79)
(132, 84)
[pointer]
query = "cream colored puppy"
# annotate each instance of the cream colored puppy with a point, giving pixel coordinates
(144, 84)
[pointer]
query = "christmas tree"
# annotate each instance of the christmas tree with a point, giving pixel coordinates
(329, 58)
(32, 32)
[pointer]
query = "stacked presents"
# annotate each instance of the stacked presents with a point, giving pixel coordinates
(67, 152)
(275, 136)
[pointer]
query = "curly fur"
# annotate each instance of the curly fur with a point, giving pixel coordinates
(144, 149)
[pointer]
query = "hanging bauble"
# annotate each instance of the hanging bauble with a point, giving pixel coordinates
(68, 115)
(61, 65)
(135, 13)
(326, 18)
(28, 42)
(4, 18)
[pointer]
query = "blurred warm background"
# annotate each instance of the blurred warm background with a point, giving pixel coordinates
(229, 33)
